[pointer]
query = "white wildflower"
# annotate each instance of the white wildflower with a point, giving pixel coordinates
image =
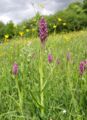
(64, 111)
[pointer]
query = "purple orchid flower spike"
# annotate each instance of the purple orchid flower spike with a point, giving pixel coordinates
(15, 69)
(50, 58)
(82, 67)
(43, 31)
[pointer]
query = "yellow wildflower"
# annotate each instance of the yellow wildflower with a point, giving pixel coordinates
(64, 24)
(59, 19)
(54, 26)
(6, 36)
(21, 33)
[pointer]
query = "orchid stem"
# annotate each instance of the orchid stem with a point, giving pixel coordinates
(41, 82)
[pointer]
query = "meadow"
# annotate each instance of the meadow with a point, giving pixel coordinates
(65, 88)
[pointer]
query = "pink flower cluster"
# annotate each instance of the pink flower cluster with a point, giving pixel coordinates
(15, 69)
(43, 30)
(82, 66)
(50, 58)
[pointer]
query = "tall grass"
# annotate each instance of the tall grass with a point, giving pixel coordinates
(65, 90)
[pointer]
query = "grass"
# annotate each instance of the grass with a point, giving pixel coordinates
(65, 91)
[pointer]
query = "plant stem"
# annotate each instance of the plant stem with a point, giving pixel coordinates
(41, 82)
(20, 95)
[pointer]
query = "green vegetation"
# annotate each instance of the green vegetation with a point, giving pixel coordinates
(65, 92)
(73, 18)
(45, 79)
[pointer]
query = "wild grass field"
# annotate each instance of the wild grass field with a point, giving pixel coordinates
(65, 88)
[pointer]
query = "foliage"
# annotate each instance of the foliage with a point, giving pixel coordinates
(85, 6)
(72, 18)
(65, 92)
